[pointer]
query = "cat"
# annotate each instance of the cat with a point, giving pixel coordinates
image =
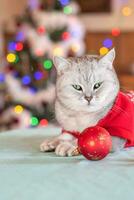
(86, 89)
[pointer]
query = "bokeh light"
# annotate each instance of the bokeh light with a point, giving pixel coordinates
(19, 46)
(38, 75)
(48, 64)
(41, 30)
(58, 51)
(75, 47)
(2, 78)
(39, 52)
(34, 121)
(64, 2)
(103, 50)
(126, 11)
(11, 57)
(18, 109)
(107, 43)
(20, 36)
(33, 89)
(11, 46)
(17, 59)
(116, 32)
(26, 80)
(43, 122)
(65, 35)
(68, 10)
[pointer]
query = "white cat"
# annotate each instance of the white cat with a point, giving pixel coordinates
(86, 89)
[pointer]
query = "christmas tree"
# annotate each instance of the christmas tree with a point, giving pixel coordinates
(47, 28)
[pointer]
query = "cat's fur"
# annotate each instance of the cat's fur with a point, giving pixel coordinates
(74, 111)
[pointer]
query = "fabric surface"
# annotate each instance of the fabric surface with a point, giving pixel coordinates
(28, 174)
(119, 121)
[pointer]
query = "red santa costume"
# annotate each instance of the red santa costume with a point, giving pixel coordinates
(119, 121)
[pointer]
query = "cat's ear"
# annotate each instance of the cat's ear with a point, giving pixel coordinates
(60, 63)
(110, 56)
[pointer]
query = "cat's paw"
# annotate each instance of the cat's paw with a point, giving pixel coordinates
(49, 144)
(66, 149)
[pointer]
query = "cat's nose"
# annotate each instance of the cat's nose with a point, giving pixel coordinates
(88, 98)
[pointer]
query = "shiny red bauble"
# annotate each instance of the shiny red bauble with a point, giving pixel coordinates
(95, 143)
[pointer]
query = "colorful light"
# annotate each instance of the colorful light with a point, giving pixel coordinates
(18, 109)
(11, 46)
(75, 47)
(33, 90)
(103, 50)
(17, 59)
(64, 2)
(38, 75)
(20, 36)
(126, 11)
(58, 51)
(116, 32)
(43, 122)
(2, 77)
(39, 52)
(68, 10)
(11, 57)
(47, 64)
(33, 4)
(107, 43)
(65, 35)
(34, 121)
(19, 46)
(41, 30)
(26, 80)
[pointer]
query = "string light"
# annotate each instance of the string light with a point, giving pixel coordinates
(107, 43)
(75, 48)
(116, 32)
(11, 57)
(20, 36)
(39, 52)
(126, 11)
(58, 51)
(26, 80)
(64, 2)
(47, 64)
(19, 46)
(2, 77)
(18, 109)
(38, 75)
(41, 30)
(34, 121)
(11, 46)
(103, 50)
(17, 59)
(33, 90)
(68, 10)
(65, 35)
(43, 122)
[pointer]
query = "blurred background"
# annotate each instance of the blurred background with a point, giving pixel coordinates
(32, 31)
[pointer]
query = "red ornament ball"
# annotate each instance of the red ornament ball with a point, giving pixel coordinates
(94, 143)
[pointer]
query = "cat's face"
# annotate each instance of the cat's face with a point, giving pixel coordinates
(86, 84)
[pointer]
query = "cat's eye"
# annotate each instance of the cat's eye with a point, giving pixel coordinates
(97, 85)
(77, 87)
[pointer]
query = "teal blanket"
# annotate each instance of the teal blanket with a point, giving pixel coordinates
(28, 174)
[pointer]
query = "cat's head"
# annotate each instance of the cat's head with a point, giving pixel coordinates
(88, 83)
